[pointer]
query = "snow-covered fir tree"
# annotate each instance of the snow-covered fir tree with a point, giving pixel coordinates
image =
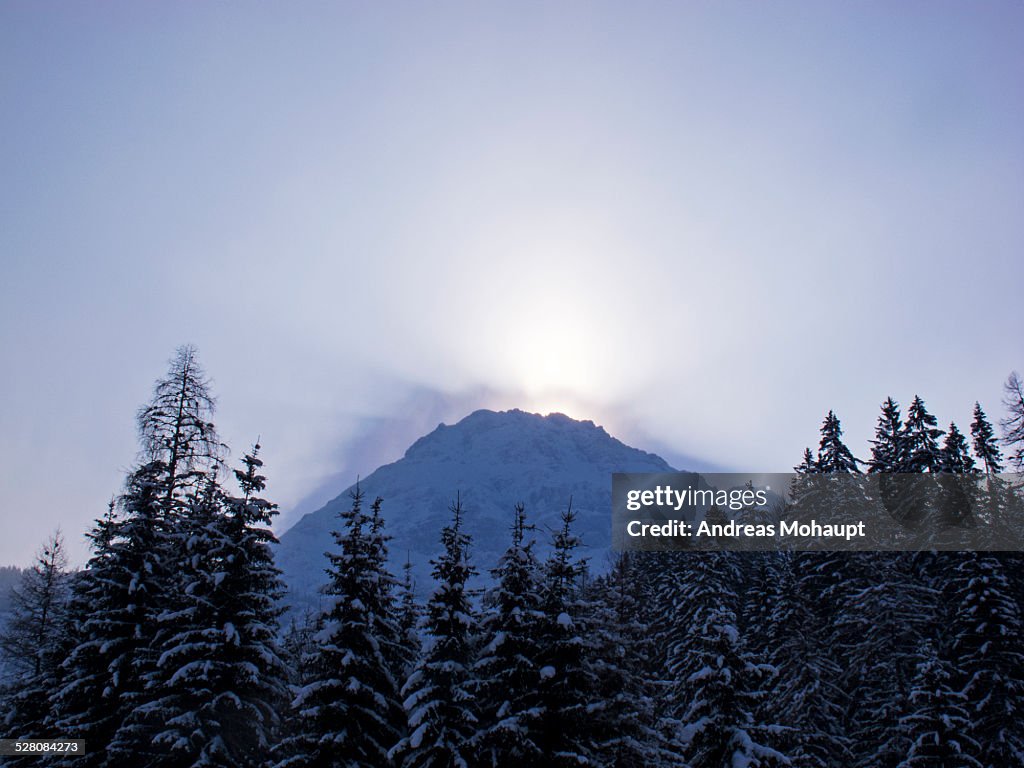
(883, 613)
(31, 643)
(136, 572)
(350, 713)
(832, 485)
(889, 448)
(833, 454)
(113, 613)
(568, 682)
(987, 651)
(508, 667)
(662, 578)
(399, 656)
(921, 438)
(986, 446)
(956, 490)
(955, 456)
(937, 727)
(725, 690)
(630, 732)
(806, 699)
(441, 707)
(219, 682)
(890, 455)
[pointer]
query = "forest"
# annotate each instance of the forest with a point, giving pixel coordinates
(174, 645)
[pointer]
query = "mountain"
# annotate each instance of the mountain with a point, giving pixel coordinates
(492, 460)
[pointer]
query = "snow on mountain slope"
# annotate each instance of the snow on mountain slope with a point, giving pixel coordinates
(494, 460)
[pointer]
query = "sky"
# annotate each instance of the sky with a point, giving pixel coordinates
(699, 224)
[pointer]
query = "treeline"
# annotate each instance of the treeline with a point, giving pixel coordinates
(166, 649)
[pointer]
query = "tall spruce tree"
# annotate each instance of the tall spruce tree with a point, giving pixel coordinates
(114, 607)
(31, 643)
(938, 725)
(884, 612)
(508, 667)
(219, 682)
(825, 581)
(955, 491)
(568, 678)
(954, 456)
(727, 685)
(350, 714)
(921, 437)
(629, 731)
(987, 650)
(807, 696)
(833, 455)
(135, 570)
(441, 707)
(888, 449)
(986, 446)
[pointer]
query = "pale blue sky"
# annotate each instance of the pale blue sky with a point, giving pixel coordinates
(700, 224)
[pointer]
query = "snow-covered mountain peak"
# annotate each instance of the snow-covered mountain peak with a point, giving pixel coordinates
(492, 460)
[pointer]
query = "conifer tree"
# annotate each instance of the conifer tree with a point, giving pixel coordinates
(113, 608)
(808, 465)
(955, 456)
(31, 642)
(806, 696)
(833, 455)
(884, 614)
(663, 580)
(351, 714)
(508, 668)
(888, 449)
(136, 566)
(837, 490)
(938, 725)
(219, 681)
(441, 707)
(387, 616)
(955, 491)
(568, 681)
(987, 650)
(628, 728)
(727, 685)
(921, 437)
(986, 447)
